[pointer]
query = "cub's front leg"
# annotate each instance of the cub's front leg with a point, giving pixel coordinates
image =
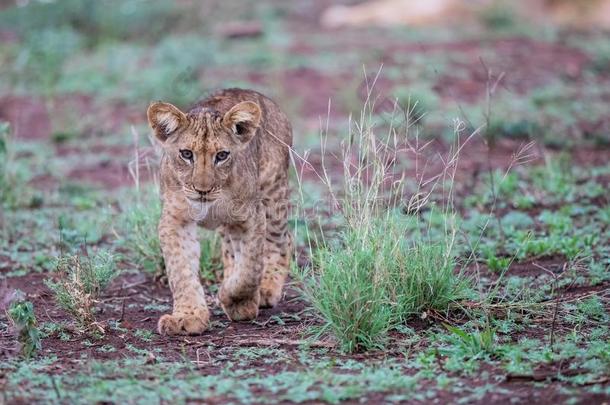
(239, 294)
(181, 251)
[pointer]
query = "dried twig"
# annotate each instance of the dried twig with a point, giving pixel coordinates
(544, 376)
(555, 277)
(128, 286)
(258, 341)
(282, 342)
(122, 312)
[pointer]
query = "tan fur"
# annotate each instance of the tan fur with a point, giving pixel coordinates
(244, 196)
(572, 13)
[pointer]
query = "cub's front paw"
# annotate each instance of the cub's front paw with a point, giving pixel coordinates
(239, 308)
(184, 322)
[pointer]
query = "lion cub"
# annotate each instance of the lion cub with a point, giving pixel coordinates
(224, 166)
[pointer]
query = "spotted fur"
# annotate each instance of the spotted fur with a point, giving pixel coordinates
(244, 197)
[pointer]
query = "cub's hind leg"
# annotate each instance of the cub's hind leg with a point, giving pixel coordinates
(239, 292)
(276, 268)
(277, 248)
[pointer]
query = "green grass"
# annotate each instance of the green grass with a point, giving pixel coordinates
(181, 381)
(370, 281)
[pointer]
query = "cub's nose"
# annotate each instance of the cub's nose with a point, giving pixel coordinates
(203, 192)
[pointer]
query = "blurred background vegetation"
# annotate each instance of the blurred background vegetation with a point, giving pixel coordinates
(74, 68)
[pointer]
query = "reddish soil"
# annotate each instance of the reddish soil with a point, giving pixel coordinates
(125, 302)
(526, 65)
(28, 116)
(33, 118)
(127, 296)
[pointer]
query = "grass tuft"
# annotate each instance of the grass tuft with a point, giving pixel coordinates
(379, 272)
(376, 279)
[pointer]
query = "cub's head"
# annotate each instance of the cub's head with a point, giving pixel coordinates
(203, 145)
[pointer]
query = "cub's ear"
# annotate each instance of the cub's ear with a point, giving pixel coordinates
(243, 119)
(164, 119)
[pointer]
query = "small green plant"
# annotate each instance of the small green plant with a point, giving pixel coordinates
(474, 344)
(144, 335)
(81, 279)
(587, 310)
(348, 295)
(45, 52)
(498, 264)
(555, 178)
(415, 102)
(21, 314)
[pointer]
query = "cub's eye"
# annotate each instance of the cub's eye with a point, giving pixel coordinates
(222, 155)
(186, 154)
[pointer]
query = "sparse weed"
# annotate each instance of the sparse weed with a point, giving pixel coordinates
(81, 279)
(51, 328)
(586, 311)
(77, 230)
(555, 178)
(598, 272)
